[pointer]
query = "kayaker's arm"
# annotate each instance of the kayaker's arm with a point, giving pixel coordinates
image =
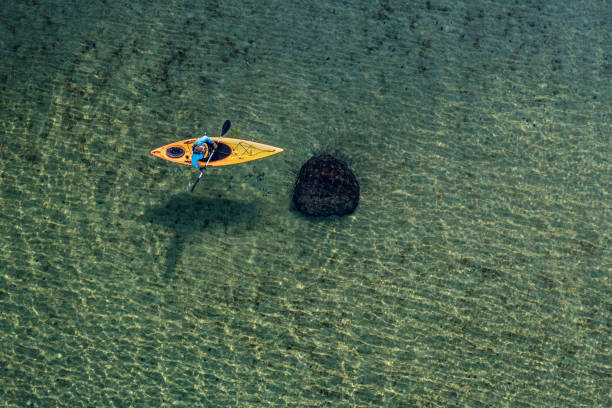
(203, 139)
(194, 159)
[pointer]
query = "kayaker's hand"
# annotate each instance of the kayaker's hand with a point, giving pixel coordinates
(215, 145)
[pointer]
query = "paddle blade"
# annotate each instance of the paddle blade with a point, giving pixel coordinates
(195, 183)
(225, 127)
(193, 186)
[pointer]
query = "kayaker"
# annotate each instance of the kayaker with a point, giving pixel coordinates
(200, 149)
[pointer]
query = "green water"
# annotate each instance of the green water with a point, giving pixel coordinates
(475, 271)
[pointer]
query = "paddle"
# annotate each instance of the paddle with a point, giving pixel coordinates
(224, 130)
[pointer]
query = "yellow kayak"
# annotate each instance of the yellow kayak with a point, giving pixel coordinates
(229, 151)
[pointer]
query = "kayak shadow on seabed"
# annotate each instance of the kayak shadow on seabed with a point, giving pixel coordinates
(185, 215)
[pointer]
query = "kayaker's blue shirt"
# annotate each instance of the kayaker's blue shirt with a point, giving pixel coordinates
(195, 156)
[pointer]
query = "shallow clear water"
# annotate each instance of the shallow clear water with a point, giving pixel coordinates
(475, 271)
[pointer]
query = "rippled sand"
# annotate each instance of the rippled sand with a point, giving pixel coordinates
(475, 271)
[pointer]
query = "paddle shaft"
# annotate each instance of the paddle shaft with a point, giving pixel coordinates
(202, 169)
(224, 130)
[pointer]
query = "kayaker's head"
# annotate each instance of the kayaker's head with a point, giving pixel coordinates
(199, 149)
